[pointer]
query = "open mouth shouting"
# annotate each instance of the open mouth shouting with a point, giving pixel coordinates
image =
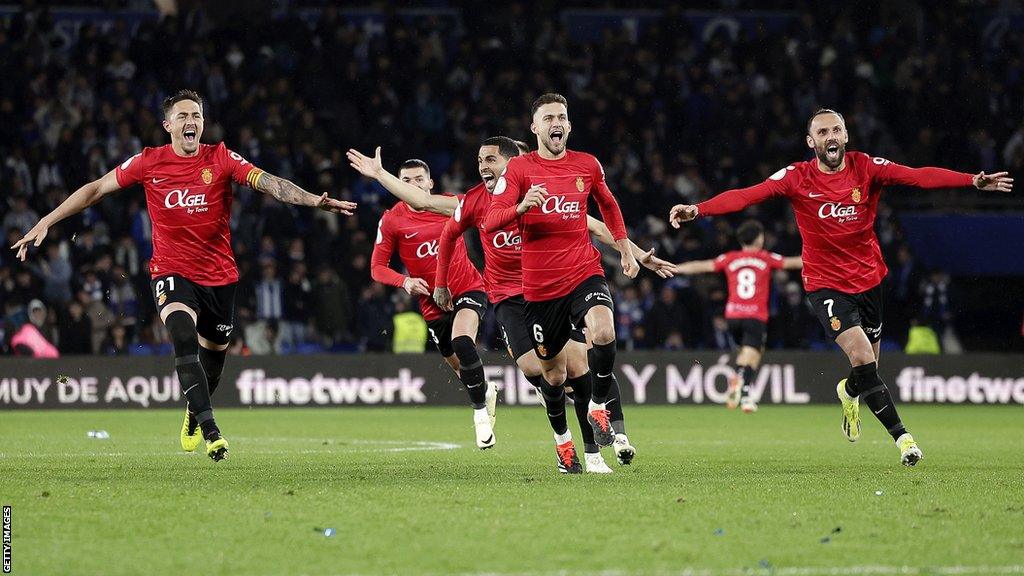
(189, 134)
(557, 135)
(832, 150)
(488, 177)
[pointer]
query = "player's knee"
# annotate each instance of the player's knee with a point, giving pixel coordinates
(529, 365)
(465, 351)
(861, 356)
(555, 376)
(182, 329)
(602, 333)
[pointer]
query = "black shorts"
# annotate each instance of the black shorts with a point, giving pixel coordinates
(838, 311)
(441, 328)
(214, 305)
(552, 322)
(511, 316)
(748, 332)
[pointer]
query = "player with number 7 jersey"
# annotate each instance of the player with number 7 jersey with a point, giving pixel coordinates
(835, 198)
(188, 197)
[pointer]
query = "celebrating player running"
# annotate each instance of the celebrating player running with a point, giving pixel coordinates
(835, 199)
(188, 196)
(547, 191)
(748, 271)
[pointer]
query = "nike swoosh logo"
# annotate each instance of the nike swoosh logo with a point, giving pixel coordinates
(407, 236)
(877, 412)
(813, 195)
(155, 181)
(602, 375)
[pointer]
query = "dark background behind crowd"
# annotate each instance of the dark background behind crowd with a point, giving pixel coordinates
(676, 109)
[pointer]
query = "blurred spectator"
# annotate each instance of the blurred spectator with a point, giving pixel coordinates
(410, 331)
(75, 330)
(31, 339)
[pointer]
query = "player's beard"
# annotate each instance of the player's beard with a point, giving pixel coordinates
(554, 149)
(832, 162)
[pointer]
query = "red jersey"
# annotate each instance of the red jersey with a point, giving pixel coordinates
(557, 252)
(836, 214)
(503, 249)
(749, 276)
(416, 234)
(189, 203)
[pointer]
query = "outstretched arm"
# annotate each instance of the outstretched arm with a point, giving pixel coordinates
(81, 199)
(888, 172)
(647, 259)
(730, 200)
(288, 192)
(416, 198)
(792, 263)
(695, 267)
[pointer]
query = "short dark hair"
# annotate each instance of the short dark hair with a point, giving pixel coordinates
(524, 148)
(415, 163)
(821, 111)
(748, 232)
(549, 98)
(506, 146)
(180, 95)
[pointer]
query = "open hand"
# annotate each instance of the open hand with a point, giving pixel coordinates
(35, 237)
(369, 167)
(998, 182)
(660, 267)
(328, 204)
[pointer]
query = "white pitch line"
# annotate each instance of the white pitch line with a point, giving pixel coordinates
(400, 446)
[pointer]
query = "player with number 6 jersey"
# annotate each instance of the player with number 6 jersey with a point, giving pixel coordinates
(188, 196)
(748, 274)
(548, 193)
(835, 199)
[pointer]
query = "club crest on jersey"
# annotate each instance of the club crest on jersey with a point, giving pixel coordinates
(835, 323)
(855, 196)
(542, 350)
(579, 183)
(207, 176)
(160, 301)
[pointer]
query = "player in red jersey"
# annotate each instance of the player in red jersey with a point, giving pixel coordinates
(835, 199)
(503, 281)
(415, 233)
(188, 196)
(748, 274)
(547, 192)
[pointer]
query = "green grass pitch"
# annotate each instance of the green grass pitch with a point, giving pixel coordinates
(711, 492)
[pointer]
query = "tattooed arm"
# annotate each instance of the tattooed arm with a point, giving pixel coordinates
(286, 191)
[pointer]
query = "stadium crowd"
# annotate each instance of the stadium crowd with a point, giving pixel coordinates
(675, 115)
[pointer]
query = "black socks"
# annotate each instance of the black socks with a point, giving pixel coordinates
(602, 364)
(213, 365)
(746, 373)
(471, 370)
(865, 382)
(554, 403)
(191, 376)
(581, 390)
